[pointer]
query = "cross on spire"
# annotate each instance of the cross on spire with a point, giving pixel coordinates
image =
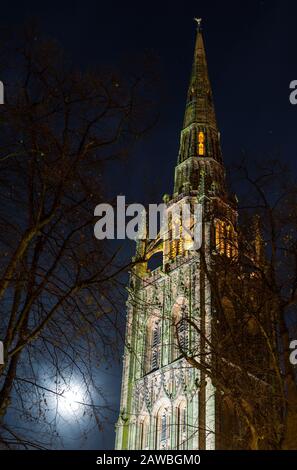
(198, 21)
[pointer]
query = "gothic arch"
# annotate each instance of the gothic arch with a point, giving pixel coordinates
(144, 431)
(162, 417)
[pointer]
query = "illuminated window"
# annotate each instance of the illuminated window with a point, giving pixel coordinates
(229, 241)
(176, 236)
(201, 146)
(173, 249)
(220, 236)
(226, 239)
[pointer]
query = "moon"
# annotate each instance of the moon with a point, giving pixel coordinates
(71, 400)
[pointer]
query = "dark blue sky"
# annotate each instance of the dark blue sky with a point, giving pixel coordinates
(251, 48)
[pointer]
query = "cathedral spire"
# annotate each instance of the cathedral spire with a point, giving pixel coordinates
(199, 105)
(199, 136)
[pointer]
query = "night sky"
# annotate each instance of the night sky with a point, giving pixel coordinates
(251, 49)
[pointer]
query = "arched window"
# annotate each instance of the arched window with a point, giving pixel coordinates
(144, 434)
(175, 232)
(181, 426)
(163, 429)
(153, 345)
(220, 242)
(226, 239)
(180, 329)
(201, 146)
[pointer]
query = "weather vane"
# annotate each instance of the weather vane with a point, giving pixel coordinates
(198, 21)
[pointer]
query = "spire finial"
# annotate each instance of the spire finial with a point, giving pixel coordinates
(198, 21)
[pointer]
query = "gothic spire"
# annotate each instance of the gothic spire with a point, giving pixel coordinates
(199, 143)
(199, 105)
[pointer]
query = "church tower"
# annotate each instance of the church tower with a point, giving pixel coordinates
(166, 403)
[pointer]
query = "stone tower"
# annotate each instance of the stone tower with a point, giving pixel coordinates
(165, 402)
